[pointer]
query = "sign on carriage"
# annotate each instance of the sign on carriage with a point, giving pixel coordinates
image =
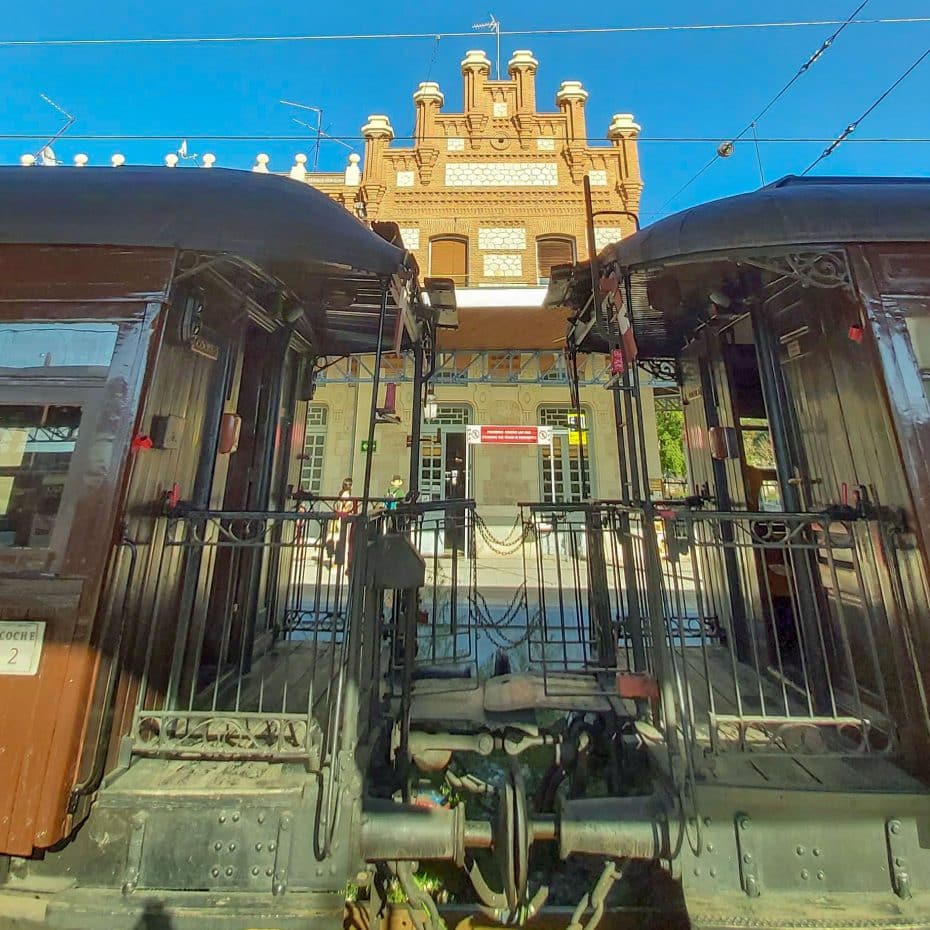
(20, 646)
(508, 435)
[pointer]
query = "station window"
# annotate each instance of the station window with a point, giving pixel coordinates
(552, 251)
(565, 470)
(311, 470)
(36, 446)
(448, 258)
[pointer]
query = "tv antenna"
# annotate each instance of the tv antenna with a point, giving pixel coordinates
(493, 25)
(318, 129)
(45, 151)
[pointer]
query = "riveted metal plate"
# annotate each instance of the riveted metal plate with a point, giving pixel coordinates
(748, 858)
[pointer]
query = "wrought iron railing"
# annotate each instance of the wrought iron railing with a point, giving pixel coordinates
(783, 655)
(254, 661)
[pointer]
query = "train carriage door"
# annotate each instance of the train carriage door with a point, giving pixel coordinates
(834, 440)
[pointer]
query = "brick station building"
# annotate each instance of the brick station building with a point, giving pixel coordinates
(491, 196)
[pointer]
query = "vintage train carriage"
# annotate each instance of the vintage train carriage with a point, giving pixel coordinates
(152, 322)
(794, 320)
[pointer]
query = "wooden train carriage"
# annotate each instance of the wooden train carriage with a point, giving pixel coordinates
(152, 323)
(795, 321)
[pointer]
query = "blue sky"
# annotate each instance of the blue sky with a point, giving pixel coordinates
(677, 84)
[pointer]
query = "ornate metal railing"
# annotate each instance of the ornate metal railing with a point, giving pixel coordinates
(249, 636)
(783, 655)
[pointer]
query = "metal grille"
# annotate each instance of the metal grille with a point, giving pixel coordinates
(784, 655)
(259, 638)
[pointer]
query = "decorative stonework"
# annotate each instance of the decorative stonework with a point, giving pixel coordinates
(503, 266)
(545, 145)
(411, 237)
(604, 235)
(455, 144)
(502, 174)
(598, 178)
(498, 238)
(405, 178)
(500, 110)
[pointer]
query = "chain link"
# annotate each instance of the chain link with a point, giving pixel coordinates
(596, 899)
(509, 545)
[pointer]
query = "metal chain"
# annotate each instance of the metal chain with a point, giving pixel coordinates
(495, 628)
(596, 898)
(508, 545)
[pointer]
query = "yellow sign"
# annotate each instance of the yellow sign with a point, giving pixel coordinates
(578, 438)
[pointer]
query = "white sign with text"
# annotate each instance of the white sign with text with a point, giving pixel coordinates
(20, 646)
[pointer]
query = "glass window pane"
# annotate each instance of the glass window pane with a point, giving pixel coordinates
(36, 445)
(85, 349)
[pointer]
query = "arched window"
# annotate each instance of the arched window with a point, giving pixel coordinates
(448, 258)
(552, 251)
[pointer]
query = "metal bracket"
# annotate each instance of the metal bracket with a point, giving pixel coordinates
(748, 860)
(282, 855)
(897, 860)
(134, 854)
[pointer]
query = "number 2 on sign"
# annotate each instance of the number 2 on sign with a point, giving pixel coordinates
(14, 652)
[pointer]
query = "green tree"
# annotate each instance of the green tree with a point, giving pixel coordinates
(670, 425)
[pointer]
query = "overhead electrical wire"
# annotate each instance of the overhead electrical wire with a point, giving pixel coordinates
(523, 33)
(854, 125)
(752, 123)
(329, 137)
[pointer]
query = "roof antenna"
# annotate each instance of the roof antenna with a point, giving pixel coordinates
(45, 151)
(493, 26)
(320, 132)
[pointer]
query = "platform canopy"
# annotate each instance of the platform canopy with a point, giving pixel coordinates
(289, 231)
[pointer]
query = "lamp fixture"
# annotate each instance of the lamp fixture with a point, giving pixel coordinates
(430, 407)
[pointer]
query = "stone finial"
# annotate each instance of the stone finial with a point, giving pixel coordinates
(118, 160)
(27, 161)
(623, 126)
(378, 127)
(353, 172)
(299, 168)
(261, 163)
(569, 91)
(171, 160)
(209, 160)
(522, 59)
(428, 91)
(80, 160)
(476, 60)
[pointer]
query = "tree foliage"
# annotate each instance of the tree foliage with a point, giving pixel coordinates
(670, 425)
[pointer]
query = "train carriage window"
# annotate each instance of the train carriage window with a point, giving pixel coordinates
(918, 326)
(36, 446)
(82, 350)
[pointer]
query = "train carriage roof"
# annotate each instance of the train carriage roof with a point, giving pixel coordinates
(791, 213)
(290, 231)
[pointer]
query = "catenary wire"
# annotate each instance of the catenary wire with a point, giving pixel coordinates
(330, 137)
(781, 93)
(526, 33)
(851, 128)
